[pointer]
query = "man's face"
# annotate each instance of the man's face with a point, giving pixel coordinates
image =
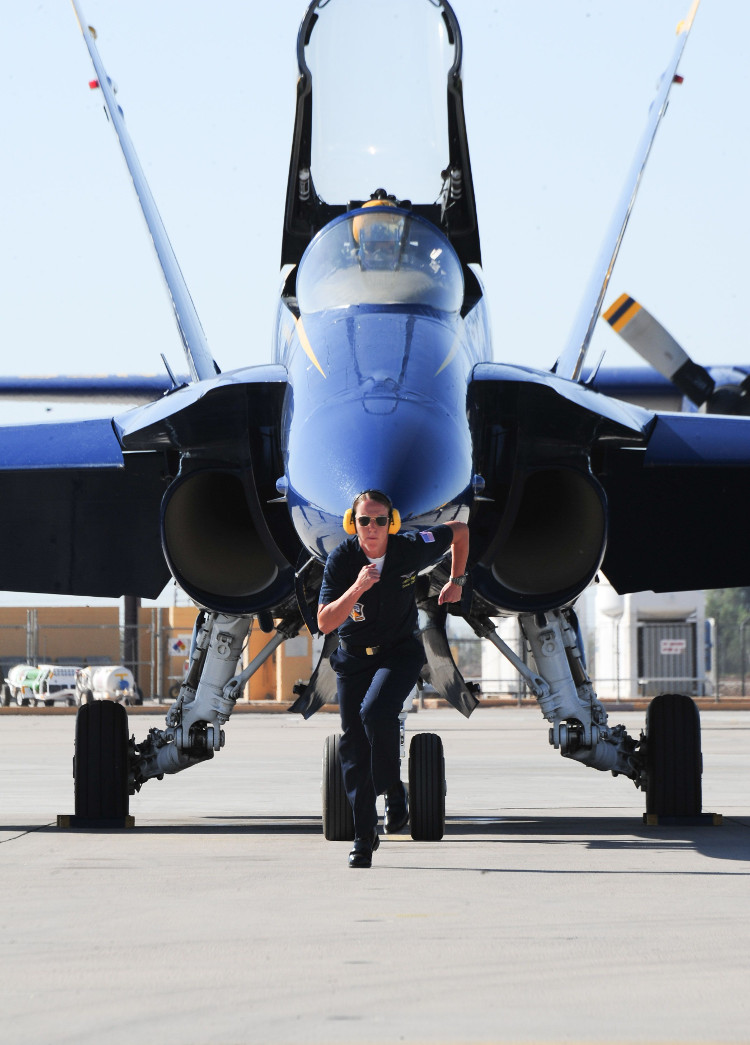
(380, 235)
(372, 538)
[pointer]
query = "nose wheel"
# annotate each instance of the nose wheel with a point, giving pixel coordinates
(338, 821)
(426, 790)
(426, 787)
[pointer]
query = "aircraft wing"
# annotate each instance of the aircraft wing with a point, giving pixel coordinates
(127, 389)
(678, 507)
(218, 413)
(549, 393)
(674, 489)
(655, 391)
(83, 500)
(80, 517)
(636, 384)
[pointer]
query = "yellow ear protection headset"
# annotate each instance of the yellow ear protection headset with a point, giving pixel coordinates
(359, 222)
(393, 526)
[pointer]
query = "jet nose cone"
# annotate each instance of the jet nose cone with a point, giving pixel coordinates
(416, 453)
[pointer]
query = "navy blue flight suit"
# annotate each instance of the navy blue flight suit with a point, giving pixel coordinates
(378, 660)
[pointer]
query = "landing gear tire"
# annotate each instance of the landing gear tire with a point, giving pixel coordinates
(338, 820)
(100, 766)
(426, 787)
(673, 756)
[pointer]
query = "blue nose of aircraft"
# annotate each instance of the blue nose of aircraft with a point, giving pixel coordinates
(414, 450)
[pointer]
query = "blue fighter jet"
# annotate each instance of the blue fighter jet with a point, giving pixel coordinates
(382, 376)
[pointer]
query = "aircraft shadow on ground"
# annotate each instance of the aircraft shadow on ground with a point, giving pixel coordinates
(253, 825)
(727, 841)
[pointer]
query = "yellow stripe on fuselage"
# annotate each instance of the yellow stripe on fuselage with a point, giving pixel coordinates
(308, 349)
(451, 355)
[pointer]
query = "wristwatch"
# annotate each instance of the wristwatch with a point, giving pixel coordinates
(460, 581)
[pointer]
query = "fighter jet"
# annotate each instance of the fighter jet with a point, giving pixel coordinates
(381, 375)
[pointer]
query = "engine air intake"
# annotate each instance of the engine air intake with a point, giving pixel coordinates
(212, 542)
(555, 543)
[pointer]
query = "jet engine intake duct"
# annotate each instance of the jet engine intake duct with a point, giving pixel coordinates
(551, 542)
(218, 545)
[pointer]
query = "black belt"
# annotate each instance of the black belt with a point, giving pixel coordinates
(360, 651)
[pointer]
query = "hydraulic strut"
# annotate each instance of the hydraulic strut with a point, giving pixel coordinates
(206, 699)
(579, 720)
(564, 692)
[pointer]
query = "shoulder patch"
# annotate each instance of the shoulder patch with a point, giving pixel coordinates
(427, 536)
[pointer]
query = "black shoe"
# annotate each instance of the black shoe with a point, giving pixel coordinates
(396, 809)
(363, 848)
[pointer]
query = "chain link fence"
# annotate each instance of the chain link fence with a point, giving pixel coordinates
(158, 666)
(659, 657)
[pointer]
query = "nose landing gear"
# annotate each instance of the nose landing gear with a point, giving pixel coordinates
(427, 790)
(338, 822)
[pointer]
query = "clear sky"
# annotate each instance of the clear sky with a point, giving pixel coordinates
(556, 95)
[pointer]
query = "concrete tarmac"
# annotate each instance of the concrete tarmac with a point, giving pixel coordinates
(548, 913)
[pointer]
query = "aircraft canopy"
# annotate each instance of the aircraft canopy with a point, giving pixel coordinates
(379, 72)
(379, 256)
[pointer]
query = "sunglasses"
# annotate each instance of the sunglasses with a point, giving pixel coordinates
(365, 520)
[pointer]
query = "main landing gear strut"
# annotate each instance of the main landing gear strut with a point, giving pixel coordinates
(108, 766)
(665, 761)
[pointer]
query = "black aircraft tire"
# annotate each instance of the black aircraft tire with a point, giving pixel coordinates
(426, 787)
(673, 756)
(100, 766)
(338, 820)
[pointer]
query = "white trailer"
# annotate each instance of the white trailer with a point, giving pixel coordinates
(107, 682)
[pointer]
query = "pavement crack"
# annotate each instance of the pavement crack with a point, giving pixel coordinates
(23, 832)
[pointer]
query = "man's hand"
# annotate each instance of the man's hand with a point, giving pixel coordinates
(368, 576)
(450, 593)
(332, 615)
